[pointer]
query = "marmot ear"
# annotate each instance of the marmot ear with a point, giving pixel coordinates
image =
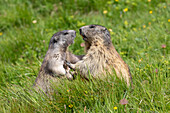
(106, 32)
(103, 29)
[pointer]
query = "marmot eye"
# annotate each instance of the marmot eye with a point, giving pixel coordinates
(92, 26)
(65, 33)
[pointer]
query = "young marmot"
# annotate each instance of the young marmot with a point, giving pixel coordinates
(101, 56)
(53, 66)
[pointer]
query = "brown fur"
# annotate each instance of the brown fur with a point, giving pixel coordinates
(73, 58)
(101, 55)
(52, 68)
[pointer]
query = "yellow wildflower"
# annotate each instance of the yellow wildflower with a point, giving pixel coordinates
(125, 22)
(134, 29)
(168, 20)
(144, 26)
(115, 108)
(1, 33)
(70, 106)
(105, 12)
(110, 30)
(150, 12)
(116, 0)
(149, 23)
(149, 0)
(140, 60)
(125, 10)
(68, 90)
(164, 6)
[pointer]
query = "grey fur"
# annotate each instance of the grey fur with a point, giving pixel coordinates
(52, 67)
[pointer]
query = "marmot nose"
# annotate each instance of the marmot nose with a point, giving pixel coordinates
(80, 31)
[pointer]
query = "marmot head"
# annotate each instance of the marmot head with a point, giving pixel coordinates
(92, 33)
(62, 39)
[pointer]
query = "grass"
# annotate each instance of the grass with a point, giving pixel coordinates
(140, 32)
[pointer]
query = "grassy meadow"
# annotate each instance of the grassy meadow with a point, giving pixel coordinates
(140, 32)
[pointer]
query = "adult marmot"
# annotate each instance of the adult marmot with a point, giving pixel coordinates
(101, 56)
(53, 66)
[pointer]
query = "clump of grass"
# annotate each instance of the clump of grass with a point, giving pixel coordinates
(139, 31)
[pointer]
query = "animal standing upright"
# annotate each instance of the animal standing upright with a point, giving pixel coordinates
(53, 67)
(101, 56)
